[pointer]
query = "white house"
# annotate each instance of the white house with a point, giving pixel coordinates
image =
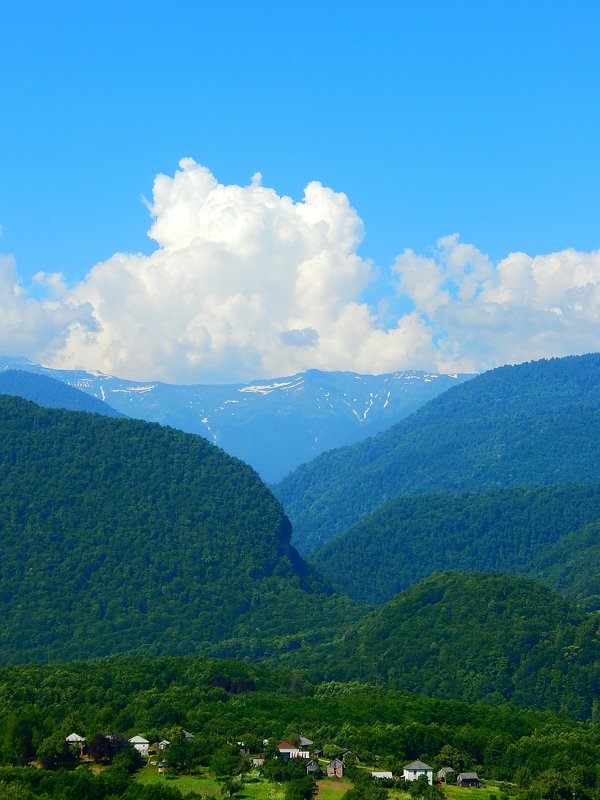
(415, 769)
(75, 738)
(140, 744)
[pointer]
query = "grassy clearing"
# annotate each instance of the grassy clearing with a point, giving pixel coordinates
(329, 789)
(457, 793)
(460, 793)
(207, 785)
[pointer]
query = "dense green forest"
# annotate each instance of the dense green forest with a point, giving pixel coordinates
(223, 702)
(535, 423)
(473, 636)
(121, 536)
(572, 567)
(51, 393)
(124, 536)
(413, 536)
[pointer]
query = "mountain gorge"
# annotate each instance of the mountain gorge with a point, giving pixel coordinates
(274, 425)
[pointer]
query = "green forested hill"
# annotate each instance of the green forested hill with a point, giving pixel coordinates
(535, 423)
(572, 567)
(123, 536)
(413, 536)
(476, 637)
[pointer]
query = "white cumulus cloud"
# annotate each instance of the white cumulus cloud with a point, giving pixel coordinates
(31, 326)
(522, 308)
(245, 283)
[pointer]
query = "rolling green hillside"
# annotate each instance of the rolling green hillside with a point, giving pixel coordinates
(535, 423)
(123, 536)
(572, 567)
(413, 536)
(475, 637)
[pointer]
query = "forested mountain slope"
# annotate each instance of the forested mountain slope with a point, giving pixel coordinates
(535, 423)
(123, 536)
(572, 567)
(274, 424)
(51, 393)
(502, 530)
(475, 637)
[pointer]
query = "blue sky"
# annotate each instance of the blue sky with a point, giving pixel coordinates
(433, 118)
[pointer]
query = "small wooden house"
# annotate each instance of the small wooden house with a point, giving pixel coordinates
(305, 743)
(348, 757)
(335, 768)
(469, 779)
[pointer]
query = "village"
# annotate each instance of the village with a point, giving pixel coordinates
(255, 774)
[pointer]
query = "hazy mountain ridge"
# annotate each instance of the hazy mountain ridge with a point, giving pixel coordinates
(274, 425)
(535, 423)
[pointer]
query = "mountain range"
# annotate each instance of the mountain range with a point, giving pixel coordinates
(51, 393)
(275, 424)
(122, 536)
